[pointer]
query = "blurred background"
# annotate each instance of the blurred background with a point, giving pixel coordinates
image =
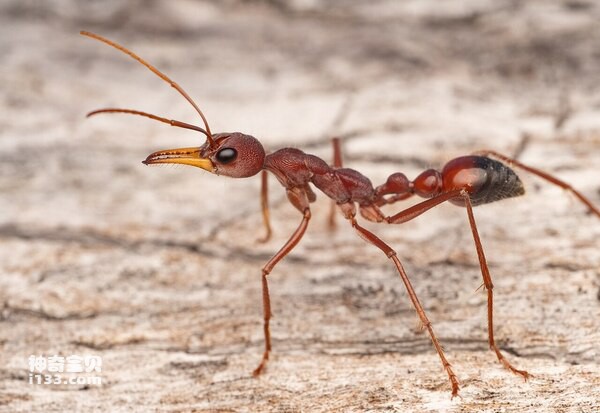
(157, 270)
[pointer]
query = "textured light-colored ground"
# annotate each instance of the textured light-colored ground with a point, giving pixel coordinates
(157, 270)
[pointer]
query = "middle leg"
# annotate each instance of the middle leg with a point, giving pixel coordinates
(349, 213)
(373, 213)
(337, 163)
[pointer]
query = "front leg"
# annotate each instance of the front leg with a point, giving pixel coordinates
(299, 199)
(264, 205)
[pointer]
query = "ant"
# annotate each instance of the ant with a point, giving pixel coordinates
(466, 181)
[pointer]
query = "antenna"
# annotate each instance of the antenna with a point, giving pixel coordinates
(159, 74)
(151, 116)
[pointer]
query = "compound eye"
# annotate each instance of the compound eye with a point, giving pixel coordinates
(226, 155)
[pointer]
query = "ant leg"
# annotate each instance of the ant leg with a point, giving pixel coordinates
(337, 163)
(489, 286)
(266, 270)
(391, 254)
(415, 211)
(264, 204)
(592, 208)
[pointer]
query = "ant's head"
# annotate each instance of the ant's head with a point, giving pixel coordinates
(230, 154)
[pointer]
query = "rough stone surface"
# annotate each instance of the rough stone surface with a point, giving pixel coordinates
(157, 270)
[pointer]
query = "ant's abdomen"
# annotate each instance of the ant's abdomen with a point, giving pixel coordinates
(485, 179)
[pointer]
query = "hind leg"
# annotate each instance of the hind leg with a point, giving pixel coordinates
(553, 180)
(373, 213)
